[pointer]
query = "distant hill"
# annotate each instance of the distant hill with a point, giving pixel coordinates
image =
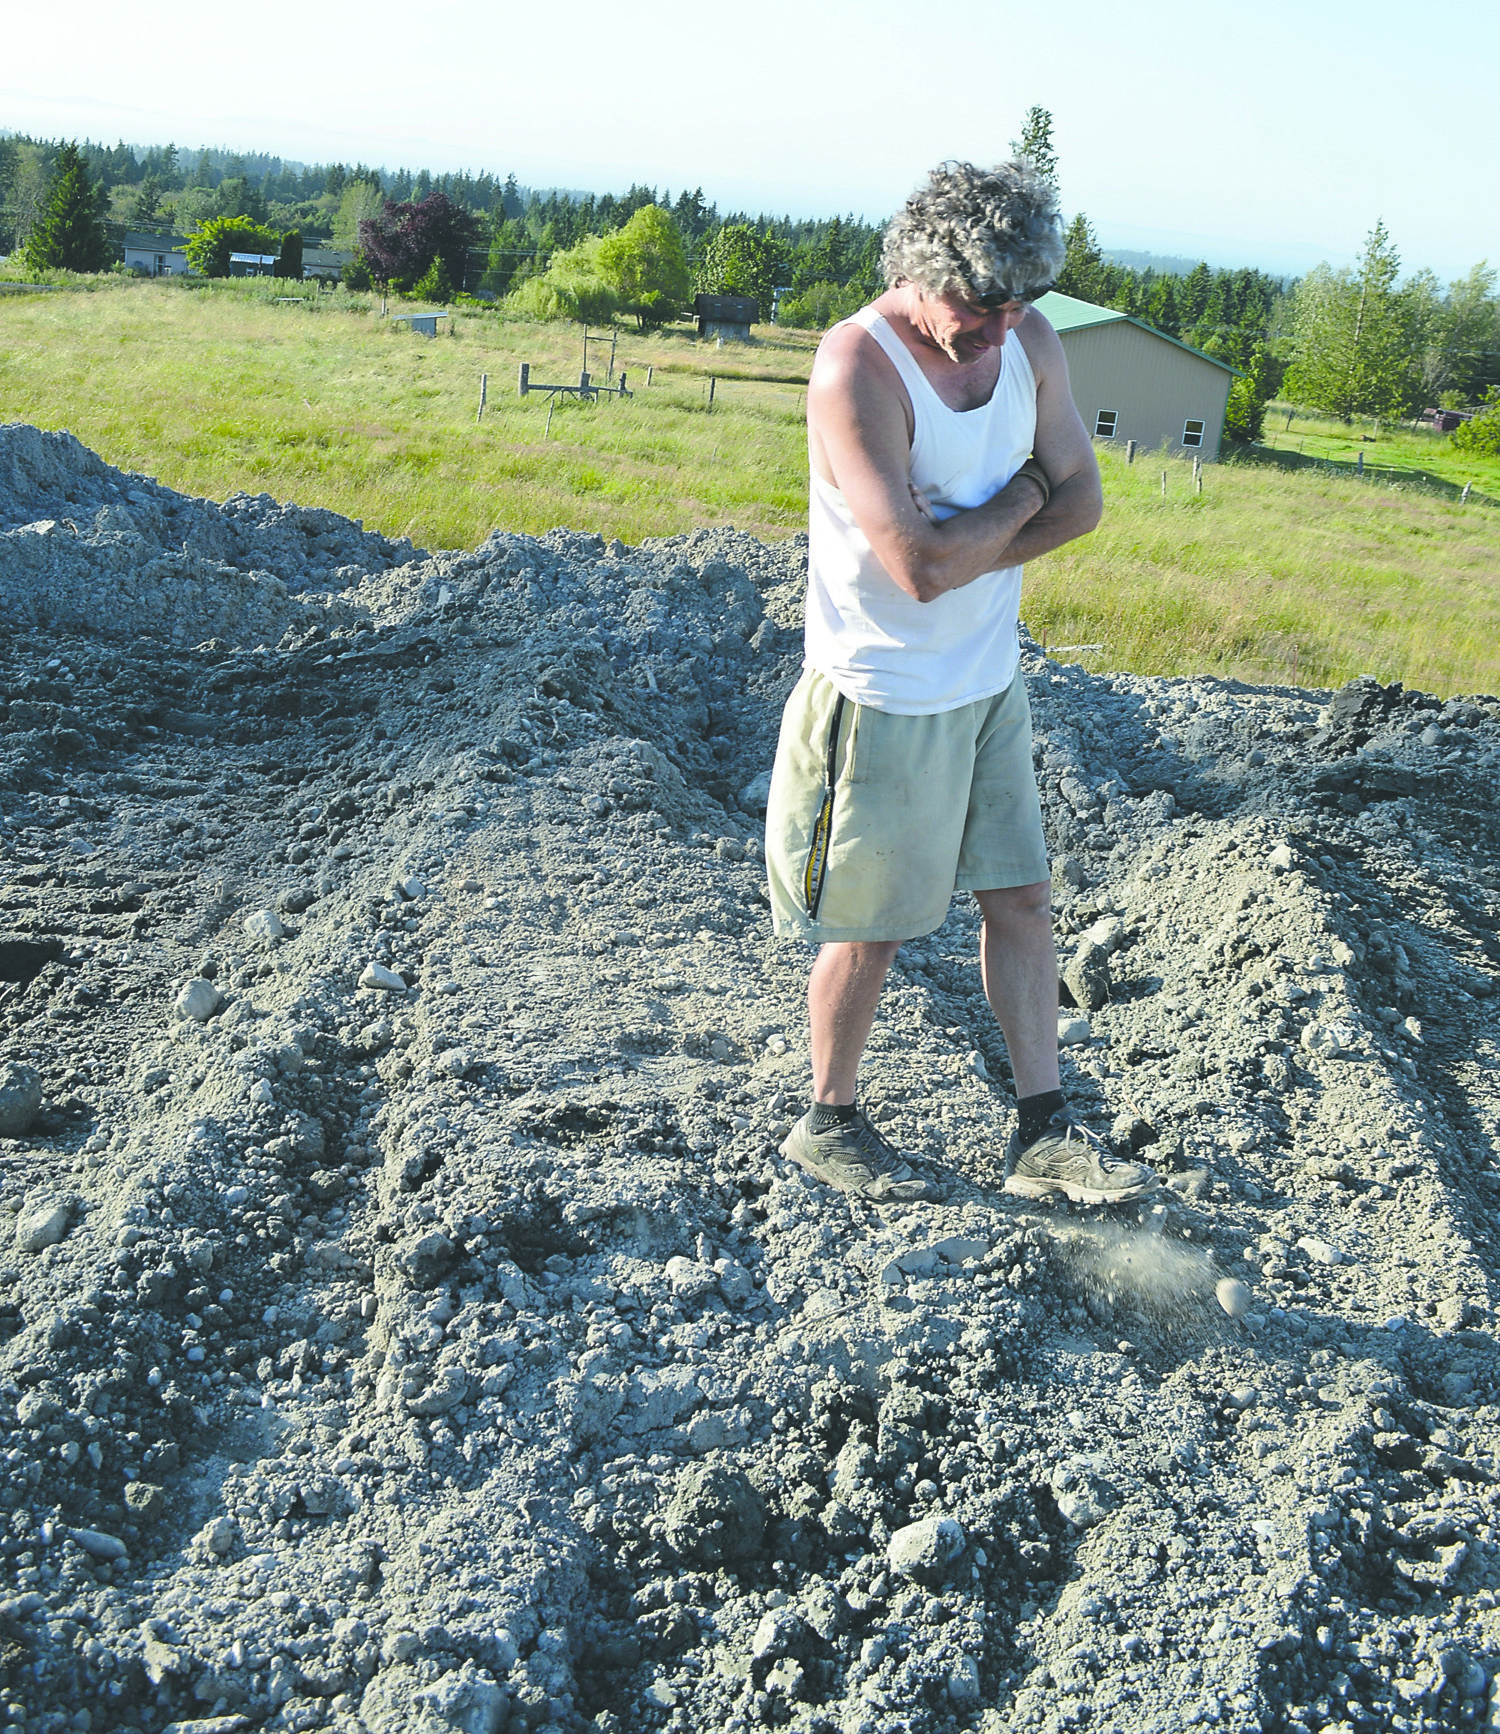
(1163, 264)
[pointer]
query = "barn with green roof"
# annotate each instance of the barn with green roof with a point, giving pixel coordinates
(1132, 382)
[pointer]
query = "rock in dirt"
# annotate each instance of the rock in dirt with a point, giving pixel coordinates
(265, 926)
(1087, 977)
(197, 999)
(925, 1549)
(42, 1222)
(381, 978)
(20, 1099)
(1234, 1296)
(715, 1517)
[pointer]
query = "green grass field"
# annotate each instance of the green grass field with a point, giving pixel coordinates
(218, 388)
(1419, 450)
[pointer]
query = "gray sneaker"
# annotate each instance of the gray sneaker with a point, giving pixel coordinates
(1070, 1159)
(854, 1158)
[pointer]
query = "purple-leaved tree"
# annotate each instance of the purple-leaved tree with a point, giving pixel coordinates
(402, 242)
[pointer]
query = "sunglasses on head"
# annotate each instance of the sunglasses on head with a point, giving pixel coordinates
(998, 298)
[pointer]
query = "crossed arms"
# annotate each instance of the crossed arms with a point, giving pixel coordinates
(859, 427)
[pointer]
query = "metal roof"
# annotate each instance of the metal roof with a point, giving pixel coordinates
(1068, 313)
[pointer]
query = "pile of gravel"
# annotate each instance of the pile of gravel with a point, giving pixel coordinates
(409, 1322)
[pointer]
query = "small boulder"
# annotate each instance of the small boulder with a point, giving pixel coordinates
(1087, 977)
(715, 1516)
(42, 1222)
(924, 1549)
(381, 978)
(20, 1100)
(197, 1000)
(265, 926)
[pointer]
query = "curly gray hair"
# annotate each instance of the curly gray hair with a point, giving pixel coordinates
(969, 232)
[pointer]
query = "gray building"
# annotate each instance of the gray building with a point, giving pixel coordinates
(725, 315)
(1131, 382)
(155, 255)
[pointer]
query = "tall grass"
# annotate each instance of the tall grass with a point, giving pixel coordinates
(322, 402)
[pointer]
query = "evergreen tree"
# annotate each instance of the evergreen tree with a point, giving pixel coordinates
(1035, 144)
(289, 261)
(70, 235)
(1082, 265)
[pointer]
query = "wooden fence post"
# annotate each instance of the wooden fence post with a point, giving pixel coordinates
(1164, 484)
(1463, 498)
(1130, 451)
(649, 371)
(1359, 463)
(484, 391)
(525, 378)
(712, 382)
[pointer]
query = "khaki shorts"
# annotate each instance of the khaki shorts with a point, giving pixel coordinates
(875, 820)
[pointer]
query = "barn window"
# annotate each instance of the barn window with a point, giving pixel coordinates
(1192, 433)
(1105, 422)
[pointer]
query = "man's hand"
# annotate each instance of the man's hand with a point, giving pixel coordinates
(859, 426)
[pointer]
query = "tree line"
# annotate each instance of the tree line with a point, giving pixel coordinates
(1361, 341)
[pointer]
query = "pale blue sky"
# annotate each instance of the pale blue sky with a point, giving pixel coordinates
(1272, 135)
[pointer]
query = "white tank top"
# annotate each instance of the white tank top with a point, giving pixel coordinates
(876, 644)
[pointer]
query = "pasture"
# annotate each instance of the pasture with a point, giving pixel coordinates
(222, 387)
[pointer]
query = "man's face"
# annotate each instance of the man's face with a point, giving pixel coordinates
(963, 331)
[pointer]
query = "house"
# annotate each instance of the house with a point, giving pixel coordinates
(725, 315)
(1132, 382)
(327, 263)
(252, 264)
(155, 255)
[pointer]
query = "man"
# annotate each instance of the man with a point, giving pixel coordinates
(945, 451)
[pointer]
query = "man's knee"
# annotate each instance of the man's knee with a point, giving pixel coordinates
(1016, 903)
(859, 954)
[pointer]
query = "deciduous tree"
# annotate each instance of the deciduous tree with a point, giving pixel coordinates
(403, 240)
(210, 245)
(645, 265)
(1354, 350)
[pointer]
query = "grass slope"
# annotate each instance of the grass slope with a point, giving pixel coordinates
(220, 388)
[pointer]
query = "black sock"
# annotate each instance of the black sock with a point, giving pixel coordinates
(828, 1114)
(1036, 1111)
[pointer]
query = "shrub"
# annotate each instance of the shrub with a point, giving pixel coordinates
(820, 305)
(572, 287)
(1481, 435)
(434, 285)
(356, 274)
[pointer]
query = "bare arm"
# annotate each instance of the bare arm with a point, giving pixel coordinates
(860, 440)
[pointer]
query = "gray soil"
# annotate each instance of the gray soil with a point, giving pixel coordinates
(409, 1323)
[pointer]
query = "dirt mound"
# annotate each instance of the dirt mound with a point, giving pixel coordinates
(410, 1324)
